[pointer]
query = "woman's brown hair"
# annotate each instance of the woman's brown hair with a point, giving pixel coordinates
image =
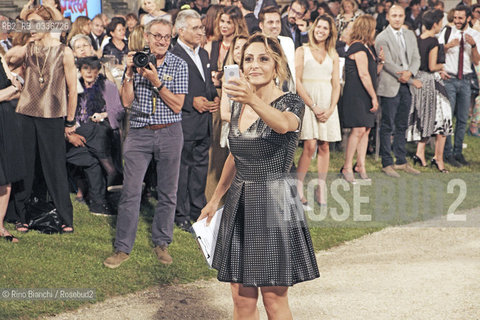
(236, 16)
(77, 27)
(363, 29)
(273, 49)
(331, 39)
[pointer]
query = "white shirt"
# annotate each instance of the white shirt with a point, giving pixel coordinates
(96, 39)
(451, 55)
(400, 37)
(194, 55)
(289, 50)
(258, 8)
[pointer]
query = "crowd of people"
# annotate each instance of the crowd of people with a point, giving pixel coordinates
(141, 104)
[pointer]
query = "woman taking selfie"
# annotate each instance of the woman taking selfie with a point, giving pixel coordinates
(263, 240)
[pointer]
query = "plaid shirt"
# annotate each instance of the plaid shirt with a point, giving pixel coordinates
(174, 74)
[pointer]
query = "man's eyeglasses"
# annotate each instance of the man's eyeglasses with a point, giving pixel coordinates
(298, 14)
(160, 37)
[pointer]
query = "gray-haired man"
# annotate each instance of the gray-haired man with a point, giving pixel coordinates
(200, 102)
(157, 94)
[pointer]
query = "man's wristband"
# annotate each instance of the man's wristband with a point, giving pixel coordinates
(161, 87)
(69, 124)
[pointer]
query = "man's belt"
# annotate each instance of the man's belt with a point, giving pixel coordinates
(468, 75)
(158, 126)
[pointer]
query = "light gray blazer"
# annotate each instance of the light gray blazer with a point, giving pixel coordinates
(388, 84)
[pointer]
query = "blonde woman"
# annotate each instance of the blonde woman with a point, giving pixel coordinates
(154, 9)
(82, 25)
(348, 13)
(318, 83)
(360, 102)
(136, 39)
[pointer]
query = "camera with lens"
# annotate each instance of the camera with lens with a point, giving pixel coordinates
(141, 59)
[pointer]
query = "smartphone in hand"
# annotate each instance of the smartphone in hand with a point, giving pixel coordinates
(231, 71)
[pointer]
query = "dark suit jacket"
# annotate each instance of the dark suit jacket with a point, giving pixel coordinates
(268, 3)
(252, 23)
(196, 125)
(299, 38)
(94, 43)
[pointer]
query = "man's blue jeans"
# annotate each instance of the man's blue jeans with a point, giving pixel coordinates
(459, 94)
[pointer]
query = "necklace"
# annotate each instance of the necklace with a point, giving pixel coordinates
(41, 79)
(224, 46)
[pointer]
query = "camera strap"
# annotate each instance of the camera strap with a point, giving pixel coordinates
(155, 96)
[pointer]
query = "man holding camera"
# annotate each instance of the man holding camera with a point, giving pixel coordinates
(200, 102)
(156, 94)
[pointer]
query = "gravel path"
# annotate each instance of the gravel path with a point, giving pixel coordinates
(421, 271)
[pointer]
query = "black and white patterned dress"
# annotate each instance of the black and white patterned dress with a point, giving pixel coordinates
(430, 111)
(263, 238)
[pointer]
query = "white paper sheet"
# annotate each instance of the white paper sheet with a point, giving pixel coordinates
(206, 236)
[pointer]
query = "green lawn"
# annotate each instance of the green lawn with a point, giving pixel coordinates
(75, 261)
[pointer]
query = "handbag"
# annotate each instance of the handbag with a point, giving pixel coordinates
(441, 54)
(43, 216)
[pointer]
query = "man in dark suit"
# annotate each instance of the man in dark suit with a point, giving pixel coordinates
(298, 32)
(200, 102)
(247, 7)
(98, 32)
(402, 62)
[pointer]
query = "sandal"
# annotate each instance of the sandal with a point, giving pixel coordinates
(362, 175)
(305, 205)
(317, 197)
(21, 227)
(7, 236)
(67, 229)
(80, 200)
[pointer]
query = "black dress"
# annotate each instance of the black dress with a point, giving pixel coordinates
(263, 238)
(12, 165)
(111, 49)
(356, 105)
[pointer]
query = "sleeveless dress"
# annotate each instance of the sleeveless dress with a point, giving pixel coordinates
(356, 105)
(263, 238)
(12, 165)
(430, 111)
(317, 81)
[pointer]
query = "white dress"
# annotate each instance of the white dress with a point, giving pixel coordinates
(317, 81)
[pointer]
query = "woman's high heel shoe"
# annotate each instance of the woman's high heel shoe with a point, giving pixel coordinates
(362, 175)
(349, 177)
(416, 159)
(434, 163)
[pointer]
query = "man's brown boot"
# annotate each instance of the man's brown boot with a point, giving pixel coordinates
(116, 260)
(162, 254)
